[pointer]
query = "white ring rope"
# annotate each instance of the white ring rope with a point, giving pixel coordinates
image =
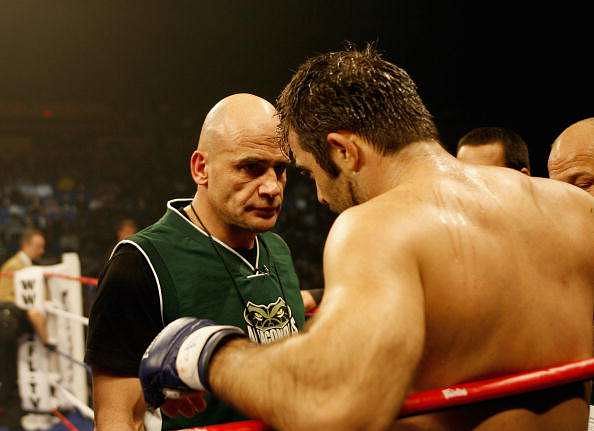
(52, 308)
(58, 291)
(80, 406)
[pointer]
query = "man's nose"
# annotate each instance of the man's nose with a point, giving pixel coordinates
(271, 184)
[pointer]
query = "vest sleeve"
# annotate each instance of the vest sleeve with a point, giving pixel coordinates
(126, 315)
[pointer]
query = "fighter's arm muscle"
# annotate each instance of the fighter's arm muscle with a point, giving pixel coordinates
(117, 402)
(352, 368)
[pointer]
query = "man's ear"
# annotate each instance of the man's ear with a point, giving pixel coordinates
(198, 168)
(525, 171)
(345, 150)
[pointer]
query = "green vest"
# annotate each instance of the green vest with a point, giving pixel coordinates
(195, 277)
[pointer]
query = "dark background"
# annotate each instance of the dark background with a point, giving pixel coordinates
(100, 102)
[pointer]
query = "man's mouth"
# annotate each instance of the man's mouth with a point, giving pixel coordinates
(267, 211)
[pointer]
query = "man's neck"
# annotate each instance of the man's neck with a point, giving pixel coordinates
(207, 220)
(413, 162)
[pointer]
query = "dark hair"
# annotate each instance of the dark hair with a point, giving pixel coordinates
(357, 91)
(515, 149)
(29, 233)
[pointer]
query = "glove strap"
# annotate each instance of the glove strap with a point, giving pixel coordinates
(195, 352)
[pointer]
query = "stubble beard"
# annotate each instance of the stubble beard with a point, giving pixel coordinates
(346, 200)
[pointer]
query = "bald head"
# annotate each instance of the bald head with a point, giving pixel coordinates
(239, 169)
(572, 155)
(237, 117)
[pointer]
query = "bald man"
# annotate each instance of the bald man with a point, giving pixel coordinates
(572, 161)
(572, 156)
(210, 256)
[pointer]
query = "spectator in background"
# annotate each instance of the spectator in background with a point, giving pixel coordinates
(572, 156)
(15, 322)
(32, 249)
(494, 146)
(126, 228)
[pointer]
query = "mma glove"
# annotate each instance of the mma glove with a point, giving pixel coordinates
(177, 360)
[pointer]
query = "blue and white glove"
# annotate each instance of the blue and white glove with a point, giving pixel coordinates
(177, 359)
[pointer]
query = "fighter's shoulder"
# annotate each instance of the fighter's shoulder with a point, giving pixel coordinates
(570, 203)
(576, 206)
(570, 197)
(378, 221)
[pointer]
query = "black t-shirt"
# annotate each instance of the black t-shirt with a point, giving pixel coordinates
(126, 315)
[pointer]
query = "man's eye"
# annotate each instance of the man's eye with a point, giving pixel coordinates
(585, 183)
(305, 173)
(253, 169)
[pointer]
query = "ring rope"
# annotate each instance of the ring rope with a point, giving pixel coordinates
(49, 306)
(54, 309)
(416, 403)
(503, 386)
(83, 279)
(89, 281)
(51, 349)
(78, 404)
(432, 400)
(65, 421)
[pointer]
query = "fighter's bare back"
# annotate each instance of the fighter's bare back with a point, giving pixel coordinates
(506, 268)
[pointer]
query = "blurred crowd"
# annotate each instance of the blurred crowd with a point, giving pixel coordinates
(83, 218)
(80, 200)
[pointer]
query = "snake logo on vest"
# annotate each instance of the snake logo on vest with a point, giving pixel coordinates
(268, 323)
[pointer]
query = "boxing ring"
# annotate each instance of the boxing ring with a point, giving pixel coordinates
(56, 379)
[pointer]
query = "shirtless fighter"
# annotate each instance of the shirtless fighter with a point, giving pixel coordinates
(436, 272)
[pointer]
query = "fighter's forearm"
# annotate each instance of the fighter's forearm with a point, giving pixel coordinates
(275, 385)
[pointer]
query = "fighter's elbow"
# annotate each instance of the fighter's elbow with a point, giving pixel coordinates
(348, 421)
(345, 415)
(121, 424)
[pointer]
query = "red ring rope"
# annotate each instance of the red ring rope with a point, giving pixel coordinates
(84, 280)
(503, 386)
(69, 425)
(438, 399)
(465, 393)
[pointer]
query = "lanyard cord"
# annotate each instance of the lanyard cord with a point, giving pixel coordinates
(212, 243)
(271, 260)
(216, 249)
